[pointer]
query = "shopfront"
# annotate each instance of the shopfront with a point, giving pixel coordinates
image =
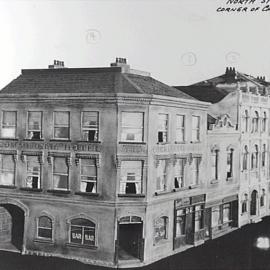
(222, 216)
(189, 221)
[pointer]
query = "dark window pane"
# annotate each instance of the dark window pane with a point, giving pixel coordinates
(45, 233)
(82, 222)
(61, 132)
(61, 118)
(45, 222)
(76, 235)
(89, 236)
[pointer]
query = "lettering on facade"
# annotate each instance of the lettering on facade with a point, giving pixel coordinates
(63, 146)
(129, 148)
(177, 148)
(182, 202)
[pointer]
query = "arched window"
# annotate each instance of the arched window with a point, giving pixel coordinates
(264, 120)
(161, 229)
(263, 155)
(254, 157)
(214, 163)
(244, 203)
(245, 158)
(245, 121)
(82, 232)
(230, 163)
(262, 198)
(44, 227)
(256, 122)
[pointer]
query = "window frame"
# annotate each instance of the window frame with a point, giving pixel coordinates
(161, 239)
(195, 132)
(91, 181)
(51, 239)
(27, 175)
(181, 161)
(15, 125)
(164, 174)
(84, 128)
(5, 170)
(68, 174)
(182, 129)
(41, 125)
(163, 131)
(229, 161)
(59, 126)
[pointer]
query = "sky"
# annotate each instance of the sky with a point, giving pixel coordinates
(178, 42)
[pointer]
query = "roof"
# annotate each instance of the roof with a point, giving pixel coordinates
(88, 80)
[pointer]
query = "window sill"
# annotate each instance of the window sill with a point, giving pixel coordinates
(157, 193)
(176, 142)
(80, 246)
(128, 142)
(87, 194)
(34, 140)
(214, 181)
(8, 186)
(31, 189)
(82, 141)
(44, 241)
(60, 140)
(132, 195)
(9, 139)
(194, 186)
(58, 191)
(195, 142)
(180, 189)
(162, 143)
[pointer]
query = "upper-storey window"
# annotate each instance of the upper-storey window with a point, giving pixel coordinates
(7, 170)
(44, 227)
(179, 172)
(255, 157)
(33, 172)
(230, 163)
(61, 125)
(255, 122)
(88, 175)
(9, 124)
(195, 171)
(163, 128)
(245, 158)
(60, 173)
(264, 155)
(34, 125)
(264, 120)
(131, 177)
(180, 128)
(161, 181)
(214, 164)
(246, 121)
(132, 127)
(90, 126)
(195, 136)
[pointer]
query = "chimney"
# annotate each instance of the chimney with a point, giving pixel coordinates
(57, 64)
(121, 62)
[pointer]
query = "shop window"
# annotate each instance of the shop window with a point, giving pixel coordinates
(7, 170)
(45, 227)
(132, 127)
(195, 129)
(163, 128)
(216, 216)
(90, 126)
(245, 119)
(160, 229)
(161, 180)
(263, 155)
(60, 173)
(82, 232)
(195, 167)
(88, 175)
(34, 125)
(230, 164)
(131, 177)
(264, 121)
(9, 124)
(180, 128)
(262, 198)
(214, 164)
(179, 172)
(33, 172)
(245, 158)
(199, 217)
(61, 125)
(244, 204)
(180, 226)
(227, 213)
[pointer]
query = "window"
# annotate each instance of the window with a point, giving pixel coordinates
(33, 172)
(88, 175)
(246, 121)
(90, 126)
(199, 224)
(82, 232)
(161, 181)
(263, 155)
(245, 158)
(34, 125)
(244, 204)
(61, 125)
(44, 227)
(230, 164)
(195, 171)
(195, 128)
(131, 177)
(180, 128)
(264, 120)
(254, 158)
(7, 170)
(255, 122)
(132, 127)
(262, 198)
(163, 128)
(179, 171)
(226, 212)
(214, 164)
(216, 216)
(160, 229)
(9, 124)
(60, 173)
(180, 228)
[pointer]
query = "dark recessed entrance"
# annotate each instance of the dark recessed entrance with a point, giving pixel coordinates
(130, 238)
(11, 227)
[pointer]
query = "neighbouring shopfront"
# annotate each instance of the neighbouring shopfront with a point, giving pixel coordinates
(189, 221)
